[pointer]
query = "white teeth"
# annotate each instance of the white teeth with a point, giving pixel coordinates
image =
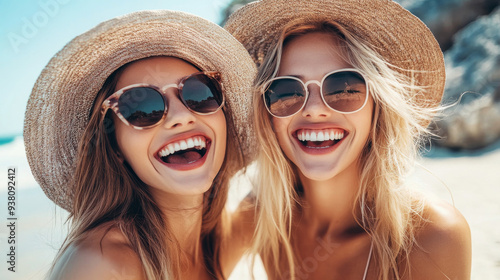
(327, 136)
(193, 142)
(321, 136)
(324, 135)
(190, 143)
(183, 144)
(313, 136)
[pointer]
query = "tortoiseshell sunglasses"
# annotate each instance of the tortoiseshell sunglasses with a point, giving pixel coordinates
(143, 105)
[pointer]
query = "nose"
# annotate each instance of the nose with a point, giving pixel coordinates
(177, 113)
(315, 107)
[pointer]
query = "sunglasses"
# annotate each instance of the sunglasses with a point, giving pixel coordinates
(143, 106)
(344, 91)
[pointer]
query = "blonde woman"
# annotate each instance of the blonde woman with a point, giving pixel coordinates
(343, 96)
(127, 128)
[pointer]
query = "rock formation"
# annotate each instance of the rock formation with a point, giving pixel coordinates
(468, 32)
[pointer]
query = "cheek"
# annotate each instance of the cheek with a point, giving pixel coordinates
(365, 120)
(131, 143)
(280, 128)
(276, 127)
(222, 135)
(120, 134)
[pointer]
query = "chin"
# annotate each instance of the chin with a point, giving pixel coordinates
(191, 187)
(182, 190)
(318, 176)
(318, 171)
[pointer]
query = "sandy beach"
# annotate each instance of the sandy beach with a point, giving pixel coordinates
(471, 180)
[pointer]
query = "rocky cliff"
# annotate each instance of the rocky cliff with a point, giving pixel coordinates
(468, 32)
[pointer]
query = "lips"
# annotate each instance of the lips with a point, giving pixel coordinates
(184, 154)
(319, 140)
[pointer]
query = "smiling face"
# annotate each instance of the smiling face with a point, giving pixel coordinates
(322, 143)
(183, 154)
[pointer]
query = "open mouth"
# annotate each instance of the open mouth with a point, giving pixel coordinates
(319, 139)
(185, 151)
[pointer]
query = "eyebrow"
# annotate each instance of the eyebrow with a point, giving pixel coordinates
(300, 77)
(291, 75)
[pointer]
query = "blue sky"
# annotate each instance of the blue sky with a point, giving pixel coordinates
(32, 31)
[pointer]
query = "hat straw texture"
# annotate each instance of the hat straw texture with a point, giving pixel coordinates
(59, 106)
(397, 35)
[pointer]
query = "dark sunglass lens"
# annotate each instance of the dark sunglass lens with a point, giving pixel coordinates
(141, 106)
(284, 97)
(345, 91)
(202, 94)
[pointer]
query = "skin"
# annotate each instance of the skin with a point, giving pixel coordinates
(327, 178)
(329, 243)
(179, 193)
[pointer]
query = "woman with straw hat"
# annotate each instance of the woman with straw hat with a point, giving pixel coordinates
(127, 128)
(343, 95)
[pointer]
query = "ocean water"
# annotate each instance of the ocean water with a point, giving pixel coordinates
(40, 226)
(6, 139)
(12, 154)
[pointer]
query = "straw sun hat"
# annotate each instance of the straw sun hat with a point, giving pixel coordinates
(59, 106)
(397, 35)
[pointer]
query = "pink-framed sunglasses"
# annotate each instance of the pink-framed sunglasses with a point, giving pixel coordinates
(144, 106)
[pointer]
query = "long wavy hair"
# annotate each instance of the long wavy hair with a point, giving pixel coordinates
(387, 210)
(108, 191)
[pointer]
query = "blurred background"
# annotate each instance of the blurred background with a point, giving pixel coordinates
(462, 165)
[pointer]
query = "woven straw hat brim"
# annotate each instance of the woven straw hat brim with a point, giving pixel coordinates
(59, 106)
(396, 34)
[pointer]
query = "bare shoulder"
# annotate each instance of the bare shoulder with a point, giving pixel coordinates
(443, 248)
(102, 254)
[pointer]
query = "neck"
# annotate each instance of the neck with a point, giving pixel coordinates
(183, 215)
(328, 205)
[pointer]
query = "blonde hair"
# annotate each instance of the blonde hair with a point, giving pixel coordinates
(389, 212)
(107, 190)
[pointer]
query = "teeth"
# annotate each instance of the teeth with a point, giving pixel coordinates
(190, 143)
(184, 145)
(323, 135)
(197, 142)
(313, 136)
